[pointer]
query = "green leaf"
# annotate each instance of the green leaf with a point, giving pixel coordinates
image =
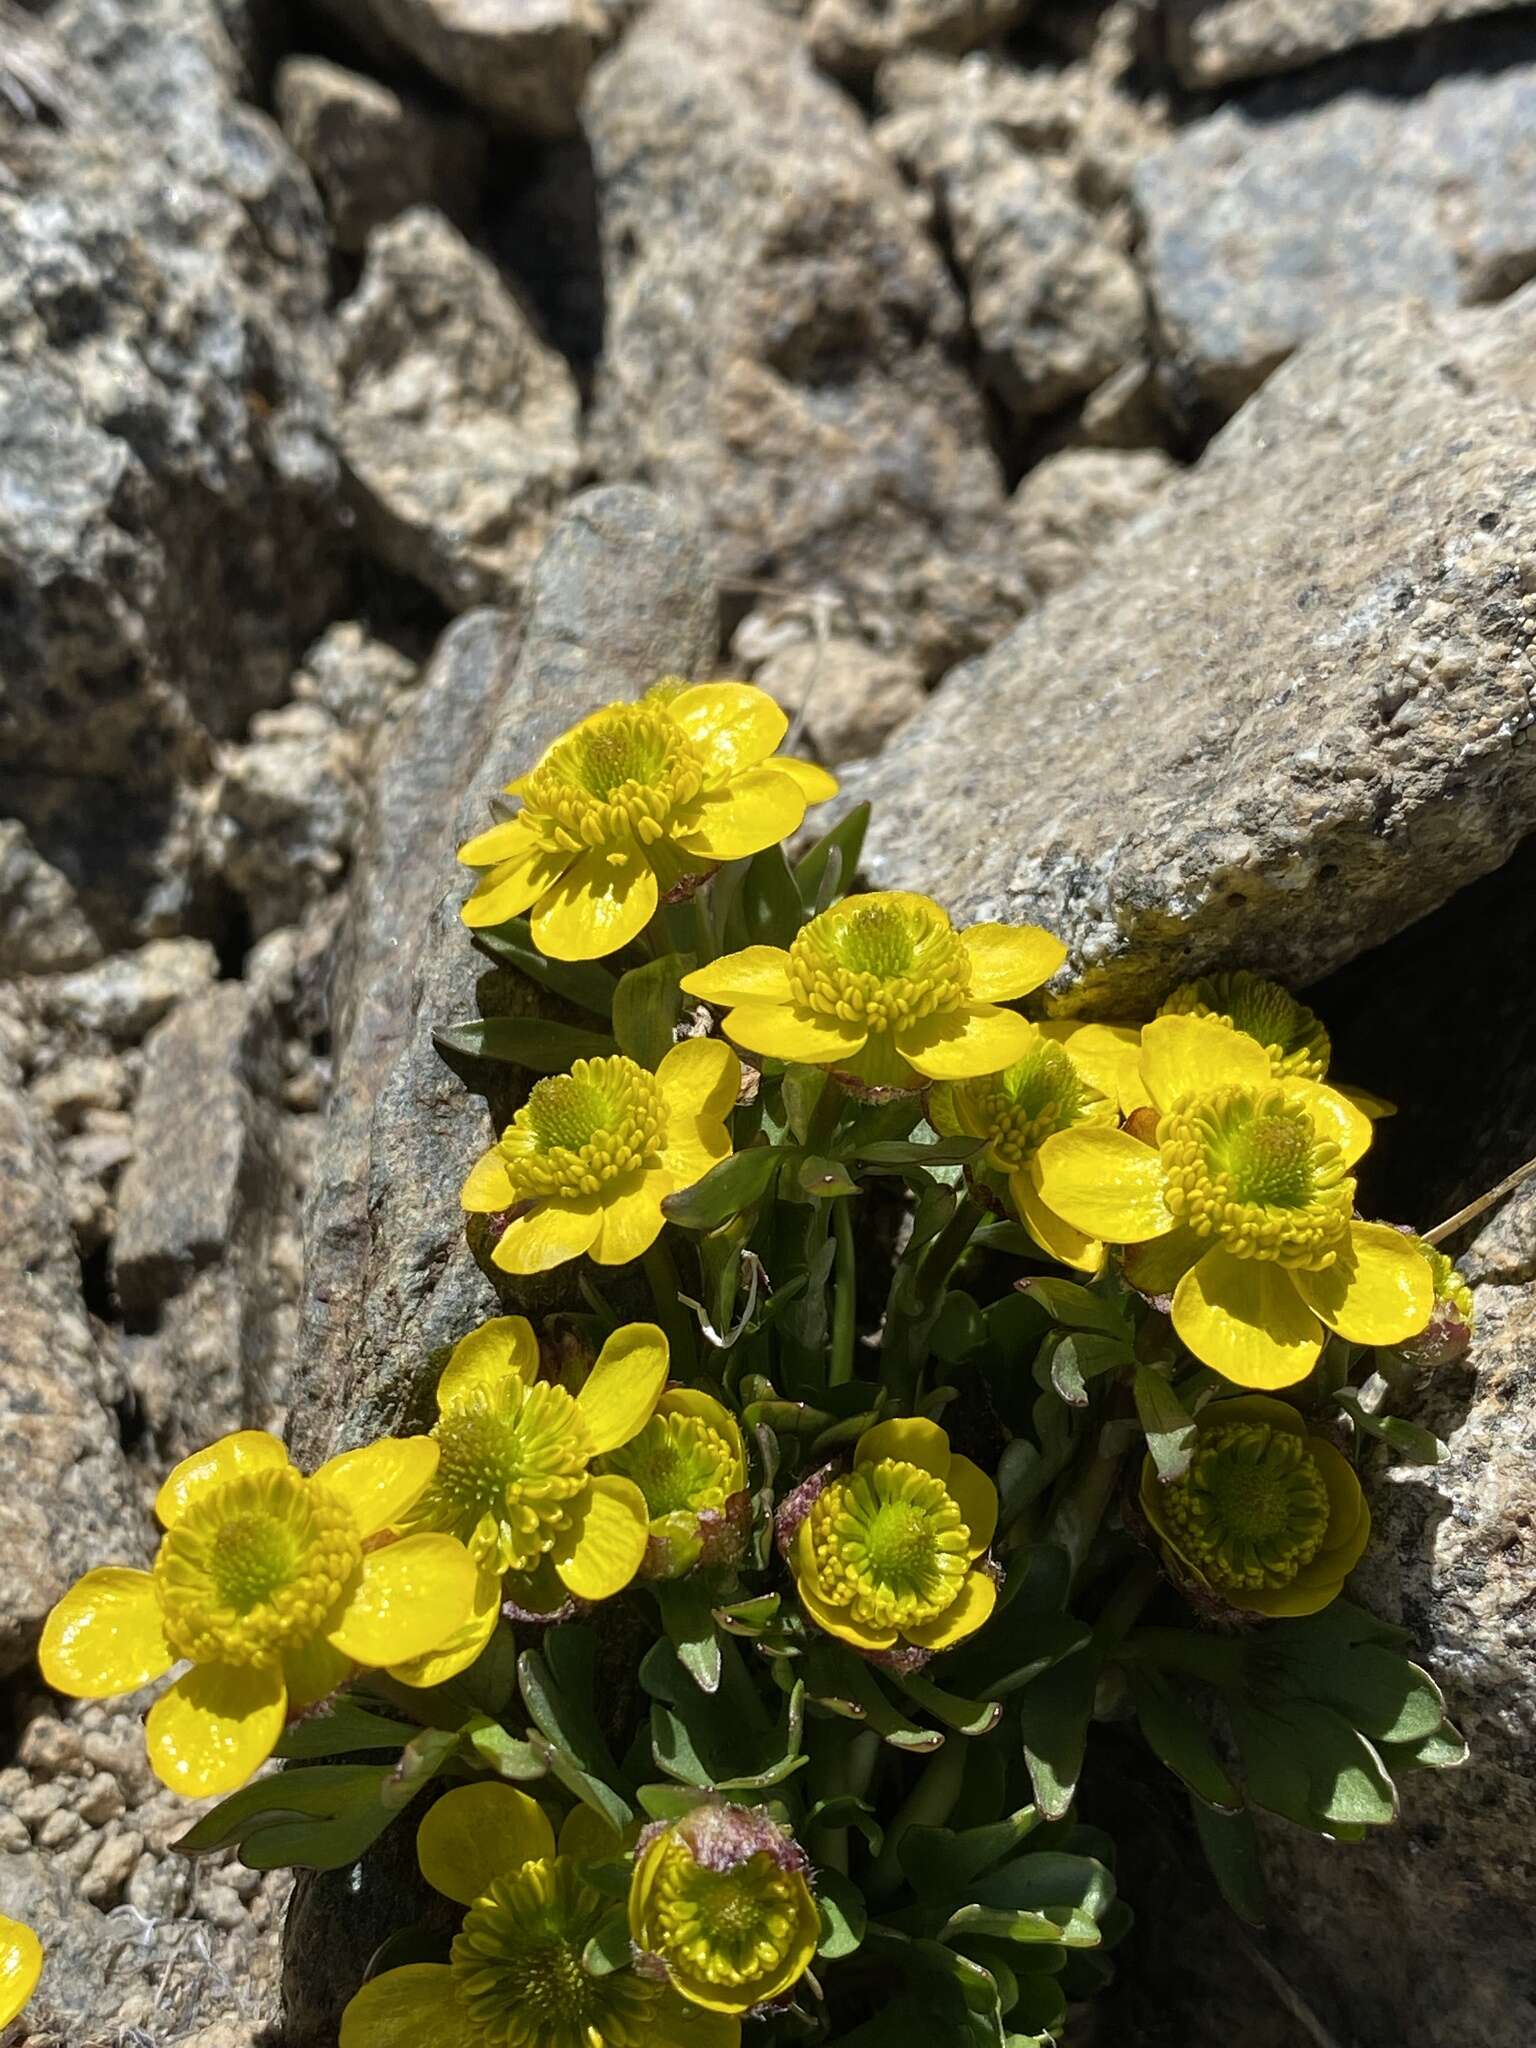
(1327, 1657)
(843, 1915)
(821, 1178)
(838, 1680)
(895, 1156)
(1078, 1307)
(1177, 1739)
(688, 1618)
(844, 1811)
(940, 1863)
(966, 1716)
(735, 1184)
(1307, 1764)
(507, 1755)
(559, 1689)
(1080, 1356)
(319, 1817)
(670, 1802)
(770, 903)
(1048, 1896)
(582, 982)
(646, 1005)
(609, 1948)
(828, 869)
(1413, 1444)
(340, 1725)
(1170, 1428)
(1444, 1750)
(1054, 1710)
(532, 1042)
(420, 1761)
(1231, 1845)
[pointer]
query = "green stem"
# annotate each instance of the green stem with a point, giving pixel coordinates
(928, 1805)
(703, 928)
(945, 1252)
(845, 1294)
(824, 1117)
(1080, 1511)
(1217, 1659)
(1124, 1608)
(666, 1289)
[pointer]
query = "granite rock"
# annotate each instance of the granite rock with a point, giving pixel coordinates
(851, 37)
(847, 697)
(1072, 505)
(361, 680)
(42, 927)
(1213, 42)
(286, 811)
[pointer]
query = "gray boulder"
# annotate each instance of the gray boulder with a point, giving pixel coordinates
(1072, 505)
(850, 37)
(1213, 42)
(42, 927)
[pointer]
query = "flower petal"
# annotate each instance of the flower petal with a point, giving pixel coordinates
(757, 974)
(311, 1672)
(232, 1457)
(754, 810)
(1108, 1056)
(624, 1385)
(21, 1964)
(678, 2023)
(598, 905)
(692, 1146)
(477, 1833)
(417, 2006)
(512, 839)
(513, 886)
(215, 1727)
(1051, 1232)
(1106, 1183)
(383, 1479)
(1381, 1291)
(733, 724)
(601, 1548)
(701, 1076)
(105, 1636)
(629, 1217)
(1008, 960)
(814, 784)
(409, 1599)
(1158, 1265)
(911, 1438)
(965, 1614)
(489, 1185)
(1249, 1408)
(978, 1038)
(1244, 1319)
(1374, 1106)
(1193, 1055)
(463, 1647)
(551, 1232)
(785, 1031)
(503, 1348)
(976, 1497)
(1336, 1117)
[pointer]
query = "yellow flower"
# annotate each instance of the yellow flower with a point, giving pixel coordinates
(720, 1898)
(1242, 1209)
(515, 1482)
(882, 988)
(690, 1464)
(1292, 1035)
(271, 1586)
(21, 1964)
(888, 1554)
(1049, 1089)
(587, 1162)
(516, 1977)
(633, 803)
(1267, 1518)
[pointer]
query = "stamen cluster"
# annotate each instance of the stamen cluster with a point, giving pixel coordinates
(620, 775)
(1247, 1167)
(1252, 1510)
(879, 962)
(581, 1130)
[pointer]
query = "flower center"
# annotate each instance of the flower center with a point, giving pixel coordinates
(1247, 1167)
(510, 1461)
(1019, 1109)
(889, 1544)
(620, 776)
(679, 1463)
(1252, 1508)
(880, 961)
(581, 1130)
(725, 1927)
(518, 1971)
(1289, 1032)
(255, 1567)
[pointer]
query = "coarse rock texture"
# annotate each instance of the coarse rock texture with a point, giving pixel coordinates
(1280, 721)
(782, 344)
(458, 426)
(285, 812)
(1212, 42)
(42, 927)
(374, 152)
(850, 696)
(1284, 212)
(850, 37)
(1072, 505)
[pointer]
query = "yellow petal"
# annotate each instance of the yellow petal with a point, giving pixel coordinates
(512, 839)
(693, 1145)
(1244, 1319)
(381, 1481)
(313, 1671)
(1008, 960)
(701, 1076)
(463, 1647)
(976, 1497)
(551, 1232)
(477, 1833)
(757, 974)
(911, 1438)
(409, 1599)
(1253, 1408)
(971, 1606)
(1335, 1116)
(514, 886)
(754, 810)
(692, 1401)
(1051, 1232)
(503, 1348)
(837, 1621)
(788, 1032)
(1109, 1058)
(1381, 1291)
(232, 1457)
(1158, 1265)
(105, 1636)
(623, 1386)
(629, 1217)
(978, 1038)
(814, 784)
(1106, 1183)
(489, 1186)
(734, 725)
(598, 905)
(414, 2007)
(1374, 1106)
(1192, 1055)
(1349, 1516)
(600, 1549)
(21, 1964)
(214, 1727)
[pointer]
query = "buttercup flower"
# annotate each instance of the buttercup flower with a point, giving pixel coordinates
(1266, 1518)
(270, 1585)
(887, 1554)
(691, 1467)
(21, 1964)
(1447, 1334)
(1242, 1209)
(515, 1481)
(587, 1162)
(516, 1978)
(1289, 1032)
(721, 1898)
(634, 802)
(1046, 1091)
(882, 988)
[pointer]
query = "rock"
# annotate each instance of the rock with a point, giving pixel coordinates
(781, 341)
(287, 811)
(1275, 725)
(360, 680)
(42, 927)
(851, 696)
(458, 426)
(1073, 504)
(1212, 42)
(1127, 410)
(121, 998)
(373, 152)
(850, 37)
(1279, 215)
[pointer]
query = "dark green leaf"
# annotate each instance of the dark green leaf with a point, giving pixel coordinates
(845, 1684)
(582, 982)
(821, 1178)
(341, 1725)
(1048, 1896)
(1169, 1426)
(1322, 1657)
(843, 1915)
(1231, 1846)
(1078, 1307)
(1177, 1739)
(846, 841)
(646, 1004)
(1443, 1750)
(320, 1817)
(941, 1864)
(609, 1948)
(770, 903)
(421, 1760)
(559, 1689)
(507, 1755)
(1081, 1356)
(894, 1157)
(735, 1184)
(531, 1042)
(1414, 1445)
(1054, 1711)
(966, 1716)
(688, 1619)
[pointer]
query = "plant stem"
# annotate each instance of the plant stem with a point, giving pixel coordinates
(703, 927)
(945, 1252)
(666, 1290)
(824, 1117)
(928, 1805)
(1078, 1514)
(1121, 1612)
(845, 1295)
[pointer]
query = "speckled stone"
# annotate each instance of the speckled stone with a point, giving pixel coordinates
(1212, 42)
(850, 37)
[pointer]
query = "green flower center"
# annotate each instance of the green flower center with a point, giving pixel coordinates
(1247, 1167)
(620, 776)
(510, 1463)
(518, 1971)
(1289, 1032)
(581, 1130)
(879, 962)
(889, 1544)
(1017, 1110)
(1252, 1509)
(679, 1463)
(728, 1928)
(255, 1567)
